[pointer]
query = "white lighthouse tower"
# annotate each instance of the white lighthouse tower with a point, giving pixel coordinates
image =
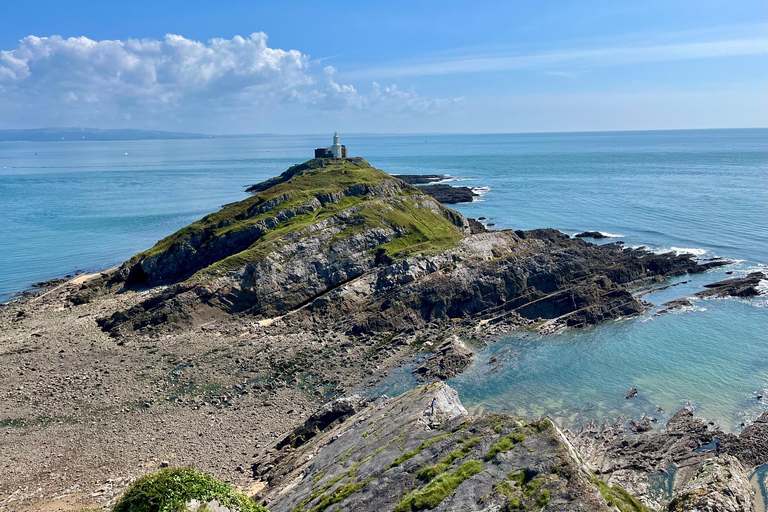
(336, 147)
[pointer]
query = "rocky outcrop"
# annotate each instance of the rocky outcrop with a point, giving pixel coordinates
(720, 484)
(673, 305)
(736, 287)
(710, 466)
(341, 244)
(591, 234)
(449, 359)
(448, 194)
(401, 454)
(421, 179)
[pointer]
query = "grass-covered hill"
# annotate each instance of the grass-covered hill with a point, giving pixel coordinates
(356, 248)
(322, 201)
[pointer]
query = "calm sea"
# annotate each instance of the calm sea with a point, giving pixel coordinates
(90, 205)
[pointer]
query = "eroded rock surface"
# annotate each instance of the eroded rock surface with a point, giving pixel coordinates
(449, 359)
(711, 467)
(736, 287)
(369, 254)
(720, 484)
(399, 455)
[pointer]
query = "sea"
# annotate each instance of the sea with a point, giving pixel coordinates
(88, 206)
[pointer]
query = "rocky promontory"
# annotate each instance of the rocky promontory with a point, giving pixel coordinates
(341, 243)
(251, 322)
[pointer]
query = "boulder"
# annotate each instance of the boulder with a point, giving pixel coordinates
(449, 359)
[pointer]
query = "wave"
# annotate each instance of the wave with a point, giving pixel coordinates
(610, 235)
(481, 191)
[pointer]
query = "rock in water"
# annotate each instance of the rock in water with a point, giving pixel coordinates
(632, 393)
(448, 194)
(337, 244)
(449, 359)
(736, 287)
(720, 484)
(591, 234)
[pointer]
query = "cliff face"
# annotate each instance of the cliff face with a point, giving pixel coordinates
(403, 454)
(337, 242)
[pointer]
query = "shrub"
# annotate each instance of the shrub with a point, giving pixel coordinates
(169, 490)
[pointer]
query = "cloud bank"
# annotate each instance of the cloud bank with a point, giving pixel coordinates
(79, 81)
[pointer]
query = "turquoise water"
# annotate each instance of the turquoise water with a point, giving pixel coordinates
(88, 205)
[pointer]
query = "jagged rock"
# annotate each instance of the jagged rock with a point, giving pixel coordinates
(632, 393)
(384, 457)
(719, 485)
(591, 234)
(751, 446)
(687, 443)
(644, 425)
(449, 359)
(448, 194)
(420, 179)
(736, 287)
(675, 304)
(340, 244)
(329, 415)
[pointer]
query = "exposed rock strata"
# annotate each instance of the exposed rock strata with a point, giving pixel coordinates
(448, 194)
(368, 253)
(720, 484)
(736, 287)
(688, 444)
(385, 456)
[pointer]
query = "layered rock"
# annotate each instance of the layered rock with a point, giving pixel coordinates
(404, 454)
(707, 468)
(337, 242)
(720, 484)
(736, 287)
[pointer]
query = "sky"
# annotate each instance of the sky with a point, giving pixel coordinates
(294, 67)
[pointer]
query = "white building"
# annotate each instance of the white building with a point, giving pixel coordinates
(335, 151)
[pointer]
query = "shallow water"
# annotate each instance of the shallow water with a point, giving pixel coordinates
(87, 205)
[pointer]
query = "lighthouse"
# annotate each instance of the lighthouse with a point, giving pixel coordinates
(335, 151)
(336, 147)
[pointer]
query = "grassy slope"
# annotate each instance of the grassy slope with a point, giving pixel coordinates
(423, 230)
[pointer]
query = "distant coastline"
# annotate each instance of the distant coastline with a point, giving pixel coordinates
(94, 134)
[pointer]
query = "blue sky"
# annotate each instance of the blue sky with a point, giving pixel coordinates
(301, 67)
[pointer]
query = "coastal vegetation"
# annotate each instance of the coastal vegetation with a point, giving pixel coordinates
(172, 489)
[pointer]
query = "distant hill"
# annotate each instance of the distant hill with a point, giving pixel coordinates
(58, 134)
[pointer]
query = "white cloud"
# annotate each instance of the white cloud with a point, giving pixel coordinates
(580, 58)
(81, 81)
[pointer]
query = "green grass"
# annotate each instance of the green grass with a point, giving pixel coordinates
(442, 466)
(439, 489)
(341, 493)
(618, 497)
(407, 455)
(505, 444)
(168, 490)
(420, 230)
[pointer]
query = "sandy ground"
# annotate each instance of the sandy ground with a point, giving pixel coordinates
(83, 413)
